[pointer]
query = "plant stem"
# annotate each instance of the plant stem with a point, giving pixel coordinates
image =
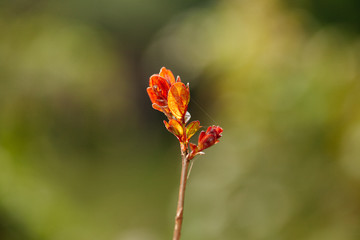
(180, 205)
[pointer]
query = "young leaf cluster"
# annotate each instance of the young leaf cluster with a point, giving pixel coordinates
(172, 97)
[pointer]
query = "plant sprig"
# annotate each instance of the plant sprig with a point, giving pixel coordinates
(172, 97)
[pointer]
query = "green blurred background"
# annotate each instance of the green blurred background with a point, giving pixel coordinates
(83, 156)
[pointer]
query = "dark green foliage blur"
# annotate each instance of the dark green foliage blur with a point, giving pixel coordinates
(83, 156)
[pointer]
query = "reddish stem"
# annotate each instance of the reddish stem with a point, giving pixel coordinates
(180, 206)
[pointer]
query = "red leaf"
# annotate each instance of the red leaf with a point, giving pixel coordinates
(210, 137)
(152, 94)
(160, 86)
(168, 75)
(202, 135)
(193, 147)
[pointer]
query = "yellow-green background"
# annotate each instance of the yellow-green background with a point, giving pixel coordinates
(84, 157)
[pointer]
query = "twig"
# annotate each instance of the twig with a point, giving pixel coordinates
(180, 206)
(172, 97)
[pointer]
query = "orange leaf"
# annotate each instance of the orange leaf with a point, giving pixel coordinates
(175, 128)
(157, 107)
(178, 100)
(192, 128)
(168, 75)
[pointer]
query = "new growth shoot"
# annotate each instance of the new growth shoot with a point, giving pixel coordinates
(172, 98)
